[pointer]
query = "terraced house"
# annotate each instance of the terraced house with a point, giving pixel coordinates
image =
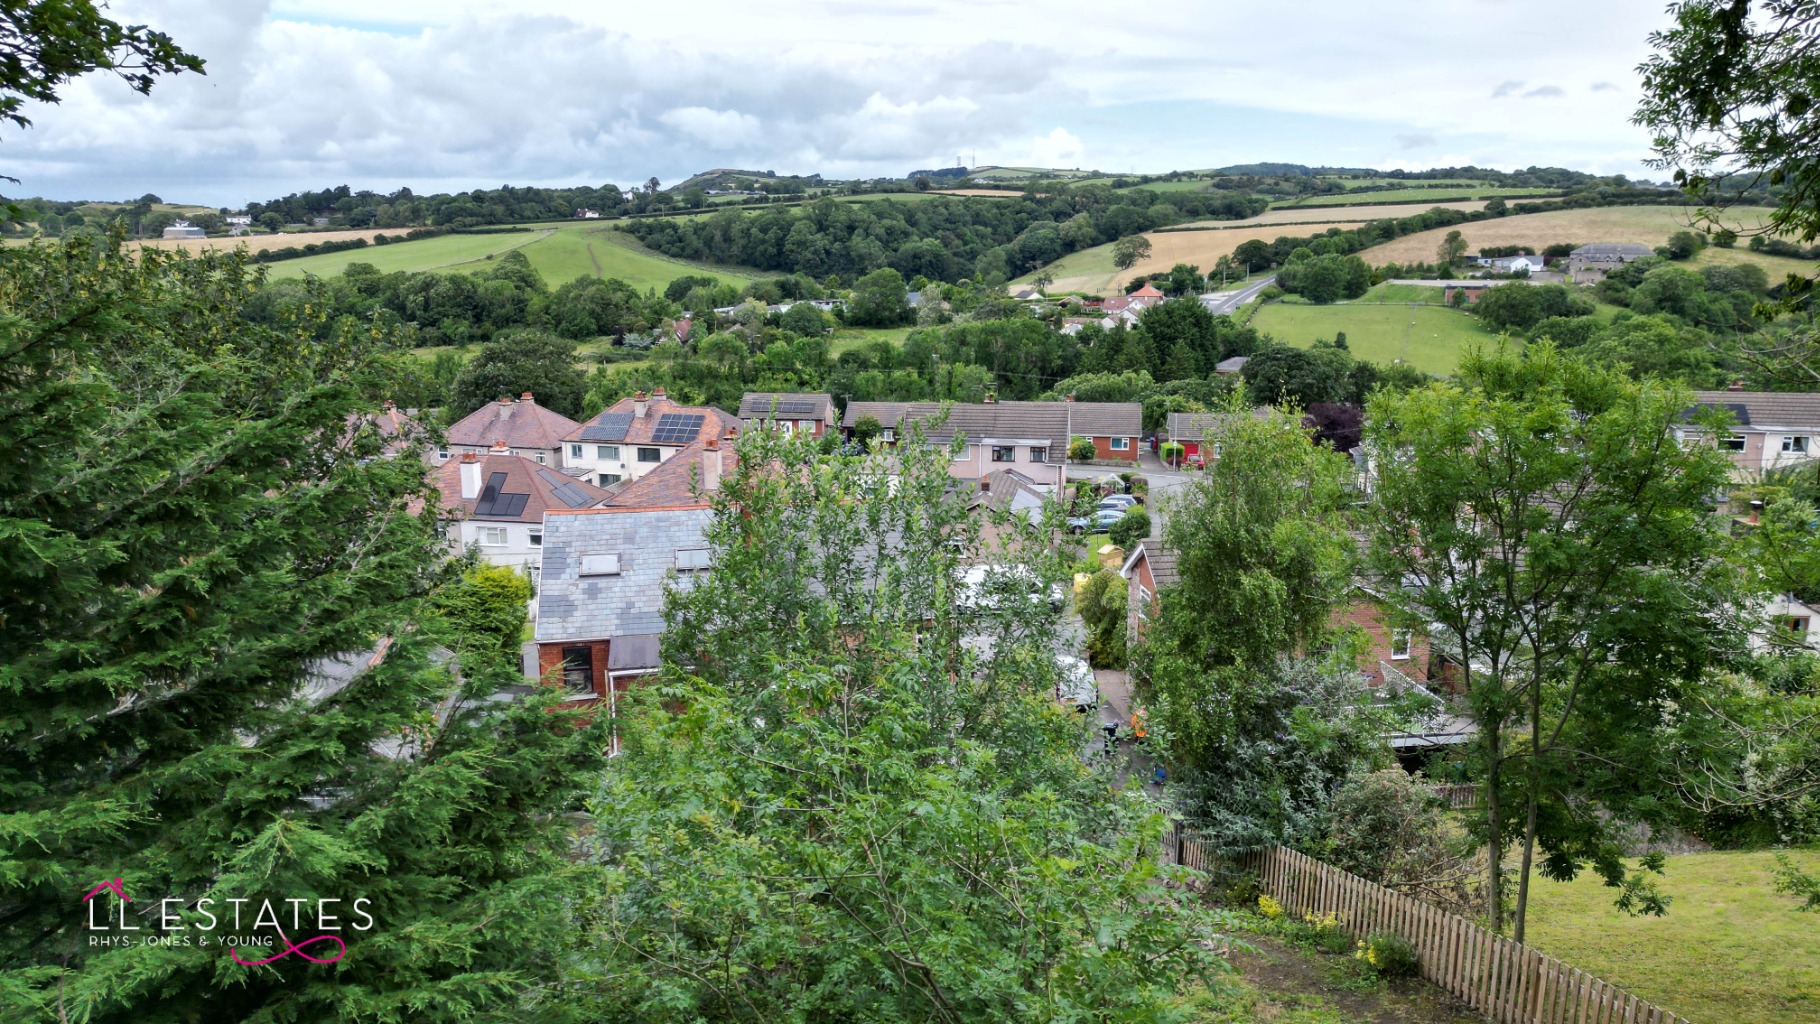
(496, 504)
(1770, 429)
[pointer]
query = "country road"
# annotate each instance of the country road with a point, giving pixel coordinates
(1226, 302)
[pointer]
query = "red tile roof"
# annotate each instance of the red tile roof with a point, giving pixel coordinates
(678, 481)
(545, 488)
(520, 424)
(716, 423)
(1147, 292)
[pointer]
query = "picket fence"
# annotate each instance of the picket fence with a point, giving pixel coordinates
(1507, 982)
(1458, 797)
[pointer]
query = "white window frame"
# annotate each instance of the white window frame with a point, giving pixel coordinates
(606, 452)
(1734, 443)
(609, 479)
(487, 532)
(1403, 639)
(538, 458)
(442, 455)
(1121, 444)
(1039, 453)
(575, 451)
(1144, 598)
(536, 535)
(888, 434)
(600, 563)
(1009, 452)
(693, 560)
(640, 454)
(1795, 444)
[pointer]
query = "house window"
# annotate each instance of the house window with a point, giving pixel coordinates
(442, 455)
(650, 455)
(1004, 453)
(492, 536)
(1734, 443)
(806, 425)
(1399, 644)
(888, 434)
(1797, 444)
(607, 452)
(965, 454)
(600, 565)
(691, 559)
(1797, 624)
(1143, 602)
(1121, 444)
(575, 451)
(537, 538)
(538, 457)
(609, 479)
(578, 668)
(1039, 455)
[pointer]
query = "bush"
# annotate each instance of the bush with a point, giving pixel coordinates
(1081, 449)
(1389, 828)
(1102, 604)
(1130, 530)
(1389, 955)
(1171, 452)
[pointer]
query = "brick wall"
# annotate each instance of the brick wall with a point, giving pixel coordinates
(549, 662)
(1102, 449)
(1369, 618)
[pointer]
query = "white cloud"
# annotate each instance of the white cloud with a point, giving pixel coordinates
(721, 129)
(1059, 148)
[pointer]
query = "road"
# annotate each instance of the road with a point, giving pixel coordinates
(1226, 302)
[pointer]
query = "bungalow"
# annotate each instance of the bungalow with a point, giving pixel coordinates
(583, 213)
(1031, 437)
(496, 503)
(1514, 264)
(1770, 429)
(1198, 432)
(813, 414)
(606, 571)
(526, 429)
(1136, 302)
(636, 435)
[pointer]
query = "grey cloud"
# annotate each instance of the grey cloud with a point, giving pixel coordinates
(1545, 90)
(1505, 89)
(1604, 87)
(1414, 141)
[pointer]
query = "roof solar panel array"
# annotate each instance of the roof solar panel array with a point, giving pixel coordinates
(677, 428)
(565, 490)
(494, 502)
(609, 427)
(797, 408)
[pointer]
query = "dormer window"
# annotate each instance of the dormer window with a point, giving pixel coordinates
(692, 560)
(600, 565)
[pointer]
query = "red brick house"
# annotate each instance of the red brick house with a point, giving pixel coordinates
(1389, 651)
(1147, 570)
(811, 414)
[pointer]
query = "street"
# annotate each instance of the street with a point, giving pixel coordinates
(1226, 302)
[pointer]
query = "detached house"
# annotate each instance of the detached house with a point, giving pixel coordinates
(523, 426)
(1769, 430)
(1029, 437)
(497, 501)
(1199, 432)
(638, 434)
(811, 414)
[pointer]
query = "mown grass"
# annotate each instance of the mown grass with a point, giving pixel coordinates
(423, 254)
(1729, 949)
(1431, 338)
(1413, 293)
(847, 339)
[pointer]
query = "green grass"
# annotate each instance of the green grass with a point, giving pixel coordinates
(1186, 185)
(1387, 292)
(560, 252)
(1430, 338)
(1416, 195)
(1777, 267)
(1729, 949)
(847, 339)
(1403, 182)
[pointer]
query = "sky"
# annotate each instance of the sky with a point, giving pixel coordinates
(446, 95)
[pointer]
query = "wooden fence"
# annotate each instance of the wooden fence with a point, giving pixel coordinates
(1459, 797)
(1507, 982)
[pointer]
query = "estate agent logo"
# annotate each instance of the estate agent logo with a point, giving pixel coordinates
(229, 928)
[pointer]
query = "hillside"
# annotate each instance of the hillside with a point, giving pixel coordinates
(1649, 225)
(733, 177)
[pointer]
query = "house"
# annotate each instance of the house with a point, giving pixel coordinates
(184, 229)
(584, 213)
(606, 572)
(1198, 432)
(1521, 263)
(1590, 263)
(1390, 654)
(1770, 429)
(636, 435)
(526, 428)
(1015, 502)
(680, 329)
(813, 414)
(1795, 623)
(1026, 293)
(1030, 437)
(1073, 325)
(496, 502)
(1231, 366)
(398, 428)
(238, 220)
(1147, 570)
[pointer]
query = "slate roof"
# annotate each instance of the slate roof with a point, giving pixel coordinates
(1163, 569)
(675, 481)
(520, 424)
(575, 607)
(1007, 490)
(1195, 426)
(1231, 364)
(758, 405)
(1008, 420)
(1767, 410)
(506, 478)
(621, 424)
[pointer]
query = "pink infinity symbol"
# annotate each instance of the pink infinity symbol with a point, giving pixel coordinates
(294, 947)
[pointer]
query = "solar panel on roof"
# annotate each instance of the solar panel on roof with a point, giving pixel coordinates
(677, 428)
(494, 502)
(798, 408)
(609, 427)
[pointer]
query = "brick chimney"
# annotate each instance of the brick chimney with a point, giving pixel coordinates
(710, 466)
(991, 398)
(1736, 385)
(499, 448)
(658, 394)
(505, 399)
(470, 476)
(527, 399)
(639, 405)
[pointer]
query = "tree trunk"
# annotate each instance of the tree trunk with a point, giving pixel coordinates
(1531, 799)
(1529, 850)
(1494, 849)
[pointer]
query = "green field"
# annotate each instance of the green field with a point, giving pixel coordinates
(1729, 949)
(1430, 338)
(560, 252)
(1401, 182)
(1406, 293)
(1186, 185)
(846, 339)
(1417, 195)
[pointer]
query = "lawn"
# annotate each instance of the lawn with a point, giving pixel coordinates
(422, 254)
(847, 339)
(1417, 195)
(1430, 338)
(1428, 295)
(1729, 949)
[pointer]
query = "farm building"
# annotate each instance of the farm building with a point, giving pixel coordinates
(184, 229)
(1590, 263)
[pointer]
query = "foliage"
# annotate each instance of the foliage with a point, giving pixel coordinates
(1171, 452)
(1128, 532)
(1325, 279)
(485, 609)
(1587, 588)
(1792, 881)
(1287, 376)
(1389, 828)
(1081, 449)
(1104, 610)
(212, 680)
(1389, 955)
(832, 805)
(878, 300)
(517, 362)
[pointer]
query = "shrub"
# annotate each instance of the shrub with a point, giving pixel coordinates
(1130, 530)
(1269, 907)
(1171, 452)
(1080, 449)
(1323, 932)
(1389, 955)
(1389, 828)
(1102, 604)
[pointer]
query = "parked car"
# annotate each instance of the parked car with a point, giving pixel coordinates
(1099, 521)
(1124, 501)
(986, 586)
(1076, 689)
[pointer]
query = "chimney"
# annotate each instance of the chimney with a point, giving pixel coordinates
(470, 476)
(526, 397)
(505, 400)
(658, 394)
(991, 398)
(1737, 385)
(639, 405)
(1069, 398)
(388, 406)
(499, 448)
(710, 466)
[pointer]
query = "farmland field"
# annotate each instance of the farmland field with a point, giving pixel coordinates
(1398, 195)
(1429, 338)
(255, 243)
(422, 254)
(1091, 270)
(1431, 295)
(1729, 949)
(1318, 214)
(1649, 225)
(1402, 182)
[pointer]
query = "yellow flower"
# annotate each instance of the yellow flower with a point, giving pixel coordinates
(1270, 908)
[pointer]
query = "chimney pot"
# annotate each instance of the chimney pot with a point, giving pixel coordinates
(499, 448)
(505, 400)
(657, 393)
(526, 397)
(470, 476)
(1736, 385)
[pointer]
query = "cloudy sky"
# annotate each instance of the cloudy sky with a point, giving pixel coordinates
(454, 94)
